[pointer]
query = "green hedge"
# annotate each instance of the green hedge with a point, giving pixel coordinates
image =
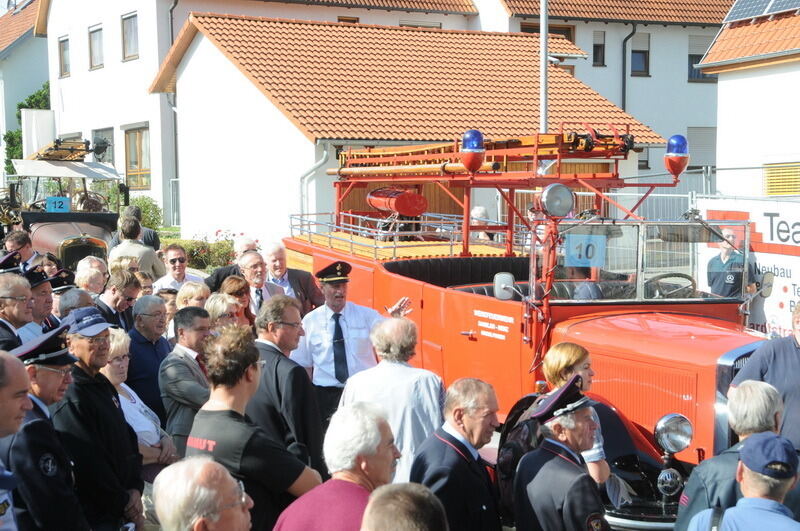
(204, 255)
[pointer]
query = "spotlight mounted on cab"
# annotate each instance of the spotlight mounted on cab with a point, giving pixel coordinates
(676, 158)
(472, 150)
(555, 201)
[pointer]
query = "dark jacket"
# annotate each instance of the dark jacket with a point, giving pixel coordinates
(149, 238)
(554, 492)
(8, 339)
(286, 408)
(463, 485)
(112, 316)
(45, 497)
(103, 446)
(305, 290)
(218, 276)
(146, 358)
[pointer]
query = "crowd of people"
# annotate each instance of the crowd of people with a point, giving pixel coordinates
(135, 395)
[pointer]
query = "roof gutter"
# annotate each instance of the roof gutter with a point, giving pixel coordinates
(621, 21)
(377, 5)
(174, 204)
(625, 64)
(304, 179)
(751, 58)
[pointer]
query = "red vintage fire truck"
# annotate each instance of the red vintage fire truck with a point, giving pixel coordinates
(490, 297)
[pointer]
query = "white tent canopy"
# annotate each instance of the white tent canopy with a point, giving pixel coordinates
(65, 169)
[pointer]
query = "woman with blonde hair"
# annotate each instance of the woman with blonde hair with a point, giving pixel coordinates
(190, 294)
(123, 263)
(562, 362)
(239, 288)
(222, 310)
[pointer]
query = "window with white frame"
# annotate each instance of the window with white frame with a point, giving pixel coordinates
(130, 37)
(95, 47)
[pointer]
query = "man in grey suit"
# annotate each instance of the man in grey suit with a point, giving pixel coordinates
(182, 375)
(254, 271)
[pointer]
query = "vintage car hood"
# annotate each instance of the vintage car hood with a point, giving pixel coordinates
(669, 336)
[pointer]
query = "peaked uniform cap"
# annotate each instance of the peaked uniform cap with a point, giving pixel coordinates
(563, 400)
(335, 272)
(47, 349)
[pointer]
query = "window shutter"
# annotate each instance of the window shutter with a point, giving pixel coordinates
(699, 44)
(640, 41)
(702, 145)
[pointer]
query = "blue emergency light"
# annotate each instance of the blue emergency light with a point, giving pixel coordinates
(472, 140)
(677, 146)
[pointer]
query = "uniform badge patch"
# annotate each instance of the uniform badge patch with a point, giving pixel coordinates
(596, 522)
(48, 465)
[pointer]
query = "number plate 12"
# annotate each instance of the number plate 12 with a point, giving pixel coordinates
(57, 204)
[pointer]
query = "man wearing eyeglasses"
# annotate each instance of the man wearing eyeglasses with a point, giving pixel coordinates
(94, 432)
(175, 261)
(45, 497)
(20, 241)
(116, 300)
(148, 350)
(285, 405)
(16, 309)
(254, 271)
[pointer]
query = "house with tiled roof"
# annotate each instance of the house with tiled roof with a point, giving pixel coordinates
(641, 57)
(757, 61)
(23, 62)
(264, 105)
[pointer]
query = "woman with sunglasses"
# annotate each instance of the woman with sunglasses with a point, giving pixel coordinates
(239, 288)
(223, 310)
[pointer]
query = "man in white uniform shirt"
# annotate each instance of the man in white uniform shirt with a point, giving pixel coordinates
(336, 345)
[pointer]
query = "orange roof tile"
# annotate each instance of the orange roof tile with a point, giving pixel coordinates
(453, 7)
(15, 23)
(354, 81)
(664, 11)
(746, 41)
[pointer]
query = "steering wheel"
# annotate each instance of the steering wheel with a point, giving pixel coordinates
(90, 201)
(660, 291)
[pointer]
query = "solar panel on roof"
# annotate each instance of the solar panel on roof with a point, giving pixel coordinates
(744, 9)
(779, 6)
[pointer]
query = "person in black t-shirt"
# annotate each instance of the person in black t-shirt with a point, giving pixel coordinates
(269, 472)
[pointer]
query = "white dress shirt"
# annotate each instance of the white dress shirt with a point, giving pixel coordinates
(413, 399)
(167, 282)
(30, 331)
(316, 347)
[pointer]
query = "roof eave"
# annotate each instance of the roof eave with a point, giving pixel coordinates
(165, 79)
(40, 27)
(621, 21)
(569, 55)
(8, 50)
(378, 7)
(749, 59)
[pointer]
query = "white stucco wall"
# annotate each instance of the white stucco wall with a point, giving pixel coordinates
(22, 73)
(240, 157)
(758, 117)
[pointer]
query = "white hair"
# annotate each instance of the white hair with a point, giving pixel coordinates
(88, 262)
(186, 491)
(354, 430)
(240, 243)
(566, 421)
(479, 212)
(752, 407)
(273, 247)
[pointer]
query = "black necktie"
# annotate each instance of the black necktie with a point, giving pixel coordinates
(259, 299)
(339, 355)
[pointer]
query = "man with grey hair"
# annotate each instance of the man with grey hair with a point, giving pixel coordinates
(198, 494)
(254, 271)
(73, 299)
(448, 461)
(92, 262)
(285, 405)
(754, 407)
(148, 350)
(413, 398)
(241, 244)
(361, 456)
(553, 490)
(404, 507)
(16, 309)
(295, 282)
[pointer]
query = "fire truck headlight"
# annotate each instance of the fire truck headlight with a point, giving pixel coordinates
(557, 200)
(673, 433)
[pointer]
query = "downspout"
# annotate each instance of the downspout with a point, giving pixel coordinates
(175, 215)
(304, 181)
(625, 64)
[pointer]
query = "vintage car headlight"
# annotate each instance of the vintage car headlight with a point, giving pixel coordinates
(673, 433)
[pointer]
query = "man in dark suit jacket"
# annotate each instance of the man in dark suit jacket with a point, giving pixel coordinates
(295, 282)
(218, 276)
(448, 461)
(149, 236)
(116, 301)
(45, 497)
(552, 488)
(182, 375)
(16, 308)
(285, 405)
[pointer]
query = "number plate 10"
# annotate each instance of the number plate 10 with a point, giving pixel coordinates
(585, 250)
(57, 204)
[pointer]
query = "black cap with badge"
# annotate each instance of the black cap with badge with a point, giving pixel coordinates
(10, 263)
(334, 273)
(563, 400)
(47, 349)
(63, 280)
(36, 276)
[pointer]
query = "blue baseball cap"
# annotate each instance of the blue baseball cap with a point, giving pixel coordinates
(769, 454)
(86, 321)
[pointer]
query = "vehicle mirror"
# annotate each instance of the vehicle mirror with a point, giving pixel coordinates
(504, 288)
(767, 282)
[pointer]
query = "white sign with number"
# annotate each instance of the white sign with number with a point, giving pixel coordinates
(584, 250)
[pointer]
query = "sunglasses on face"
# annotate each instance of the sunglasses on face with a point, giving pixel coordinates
(180, 259)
